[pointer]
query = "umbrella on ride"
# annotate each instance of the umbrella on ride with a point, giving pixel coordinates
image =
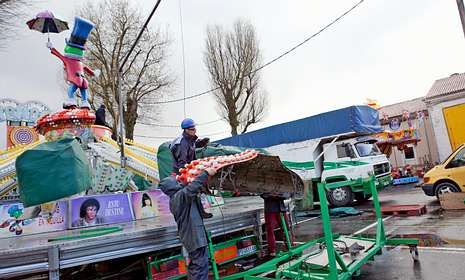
(45, 22)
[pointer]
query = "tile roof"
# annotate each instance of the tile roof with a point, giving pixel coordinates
(396, 109)
(445, 86)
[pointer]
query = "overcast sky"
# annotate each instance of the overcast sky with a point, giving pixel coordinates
(386, 50)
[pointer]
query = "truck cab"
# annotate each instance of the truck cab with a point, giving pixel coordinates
(354, 159)
(333, 146)
(448, 176)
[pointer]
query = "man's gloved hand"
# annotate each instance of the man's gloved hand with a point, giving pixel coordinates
(49, 45)
(203, 142)
(210, 171)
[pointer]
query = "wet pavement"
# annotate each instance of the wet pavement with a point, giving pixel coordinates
(433, 265)
(442, 233)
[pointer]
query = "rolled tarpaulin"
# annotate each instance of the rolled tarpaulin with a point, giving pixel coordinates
(51, 171)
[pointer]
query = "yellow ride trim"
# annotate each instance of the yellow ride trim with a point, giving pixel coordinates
(117, 164)
(131, 154)
(142, 146)
(17, 150)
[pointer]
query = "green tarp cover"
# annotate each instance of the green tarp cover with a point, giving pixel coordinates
(51, 171)
(165, 158)
(142, 184)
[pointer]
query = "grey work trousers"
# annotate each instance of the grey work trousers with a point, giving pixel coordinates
(198, 265)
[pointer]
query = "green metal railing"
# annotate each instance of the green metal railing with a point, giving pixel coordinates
(156, 261)
(296, 262)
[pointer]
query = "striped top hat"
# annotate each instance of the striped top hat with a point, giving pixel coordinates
(81, 30)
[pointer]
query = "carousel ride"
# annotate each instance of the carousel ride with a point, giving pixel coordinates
(76, 120)
(104, 152)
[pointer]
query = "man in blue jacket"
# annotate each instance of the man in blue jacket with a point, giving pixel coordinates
(183, 151)
(186, 212)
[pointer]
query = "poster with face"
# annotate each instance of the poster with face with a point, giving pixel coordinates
(205, 202)
(394, 124)
(100, 209)
(15, 220)
(150, 204)
(209, 201)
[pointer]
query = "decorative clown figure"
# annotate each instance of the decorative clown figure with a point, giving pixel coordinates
(72, 60)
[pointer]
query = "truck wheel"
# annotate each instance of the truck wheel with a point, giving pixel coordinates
(445, 187)
(361, 197)
(341, 196)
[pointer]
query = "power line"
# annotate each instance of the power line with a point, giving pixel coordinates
(216, 133)
(177, 125)
(159, 125)
(119, 77)
(183, 57)
(218, 120)
(155, 137)
(271, 61)
(172, 137)
(134, 44)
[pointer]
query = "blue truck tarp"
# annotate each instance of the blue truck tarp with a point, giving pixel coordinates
(354, 119)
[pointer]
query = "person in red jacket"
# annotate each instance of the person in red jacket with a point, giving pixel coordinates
(274, 206)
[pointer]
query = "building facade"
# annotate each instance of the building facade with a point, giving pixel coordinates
(446, 105)
(411, 115)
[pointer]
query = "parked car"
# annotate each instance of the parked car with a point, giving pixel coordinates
(448, 176)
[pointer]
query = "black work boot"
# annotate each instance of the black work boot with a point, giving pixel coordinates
(206, 215)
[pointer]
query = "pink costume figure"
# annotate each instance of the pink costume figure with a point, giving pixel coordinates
(75, 76)
(72, 60)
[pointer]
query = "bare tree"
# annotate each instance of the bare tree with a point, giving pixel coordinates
(11, 16)
(232, 59)
(145, 76)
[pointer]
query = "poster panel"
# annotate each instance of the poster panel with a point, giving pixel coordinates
(149, 204)
(15, 220)
(100, 209)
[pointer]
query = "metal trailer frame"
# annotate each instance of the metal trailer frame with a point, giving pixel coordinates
(39, 253)
(154, 261)
(292, 264)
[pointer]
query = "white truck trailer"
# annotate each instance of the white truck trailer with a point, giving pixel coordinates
(332, 146)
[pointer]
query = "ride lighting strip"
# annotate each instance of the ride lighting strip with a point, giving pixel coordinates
(107, 152)
(14, 148)
(142, 152)
(132, 154)
(138, 162)
(142, 146)
(13, 155)
(6, 187)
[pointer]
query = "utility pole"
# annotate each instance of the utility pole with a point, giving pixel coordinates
(120, 80)
(461, 8)
(121, 120)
